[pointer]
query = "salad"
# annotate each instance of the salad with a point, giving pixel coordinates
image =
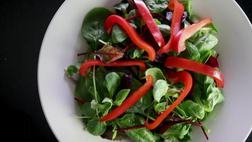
(150, 73)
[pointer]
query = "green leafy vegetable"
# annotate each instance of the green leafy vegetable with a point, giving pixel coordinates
(157, 6)
(112, 82)
(87, 111)
(121, 96)
(105, 106)
(139, 135)
(96, 127)
(177, 132)
(122, 7)
(160, 107)
(192, 52)
(118, 34)
(136, 53)
(160, 89)
(81, 89)
(156, 73)
(143, 104)
(193, 109)
(93, 28)
(206, 93)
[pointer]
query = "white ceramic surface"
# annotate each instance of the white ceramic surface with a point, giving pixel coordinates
(232, 120)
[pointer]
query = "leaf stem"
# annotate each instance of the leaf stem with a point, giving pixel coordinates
(95, 90)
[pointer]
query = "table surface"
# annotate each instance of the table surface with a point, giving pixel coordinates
(23, 25)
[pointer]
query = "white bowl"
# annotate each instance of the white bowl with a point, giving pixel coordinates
(231, 122)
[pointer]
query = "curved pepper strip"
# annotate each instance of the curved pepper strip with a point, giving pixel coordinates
(130, 101)
(115, 19)
(183, 77)
(149, 21)
(178, 43)
(190, 65)
(175, 24)
(88, 64)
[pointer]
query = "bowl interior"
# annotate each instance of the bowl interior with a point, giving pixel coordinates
(230, 122)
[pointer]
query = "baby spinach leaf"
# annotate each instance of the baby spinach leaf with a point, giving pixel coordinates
(96, 127)
(144, 103)
(136, 53)
(160, 107)
(118, 34)
(156, 73)
(121, 96)
(143, 135)
(139, 135)
(206, 93)
(193, 109)
(105, 106)
(207, 42)
(93, 28)
(122, 7)
(177, 131)
(112, 82)
(156, 6)
(81, 90)
(87, 111)
(160, 89)
(192, 52)
(128, 120)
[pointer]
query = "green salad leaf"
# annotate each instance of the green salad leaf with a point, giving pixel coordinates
(206, 93)
(139, 135)
(195, 110)
(121, 96)
(81, 89)
(160, 89)
(87, 111)
(177, 132)
(160, 107)
(112, 82)
(118, 34)
(96, 127)
(93, 28)
(156, 73)
(156, 6)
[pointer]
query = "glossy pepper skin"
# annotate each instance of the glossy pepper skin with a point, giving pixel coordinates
(177, 62)
(149, 21)
(126, 63)
(183, 77)
(130, 101)
(178, 42)
(130, 31)
(175, 24)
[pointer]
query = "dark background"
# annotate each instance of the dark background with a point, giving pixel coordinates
(23, 25)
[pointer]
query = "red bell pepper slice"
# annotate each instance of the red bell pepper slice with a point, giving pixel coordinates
(183, 77)
(149, 21)
(190, 65)
(178, 43)
(115, 19)
(88, 64)
(130, 101)
(175, 24)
